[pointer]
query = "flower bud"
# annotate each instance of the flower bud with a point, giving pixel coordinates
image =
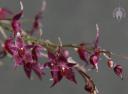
(110, 63)
(118, 69)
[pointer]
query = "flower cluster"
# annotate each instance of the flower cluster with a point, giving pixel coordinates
(26, 51)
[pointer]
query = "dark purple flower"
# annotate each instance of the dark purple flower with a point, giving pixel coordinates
(24, 55)
(118, 70)
(83, 54)
(16, 24)
(94, 59)
(4, 13)
(59, 66)
(16, 48)
(66, 71)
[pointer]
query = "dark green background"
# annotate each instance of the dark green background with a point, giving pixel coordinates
(74, 21)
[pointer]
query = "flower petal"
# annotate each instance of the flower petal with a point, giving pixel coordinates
(38, 18)
(94, 60)
(16, 24)
(4, 13)
(36, 52)
(118, 70)
(19, 42)
(8, 44)
(83, 54)
(56, 75)
(28, 69)
(69, 74)
(36, 68)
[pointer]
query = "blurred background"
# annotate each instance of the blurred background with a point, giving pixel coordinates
(74, 21)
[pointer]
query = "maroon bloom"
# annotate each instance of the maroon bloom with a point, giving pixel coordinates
(16, 24)
(4, 13)
(24, 55)
(94, 58)
(16, 49)
(59, 66)
(118, 70)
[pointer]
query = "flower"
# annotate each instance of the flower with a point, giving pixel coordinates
(16, 48)
(119, 13)
(118, 70)
(94, 58)
(59, 66)
(24, 55)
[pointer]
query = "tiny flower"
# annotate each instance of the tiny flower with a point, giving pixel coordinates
(118, 70)
(16, 24)
(83, 54)
(94, 60)
(4, 13)
(119, 13)
(110, 63)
